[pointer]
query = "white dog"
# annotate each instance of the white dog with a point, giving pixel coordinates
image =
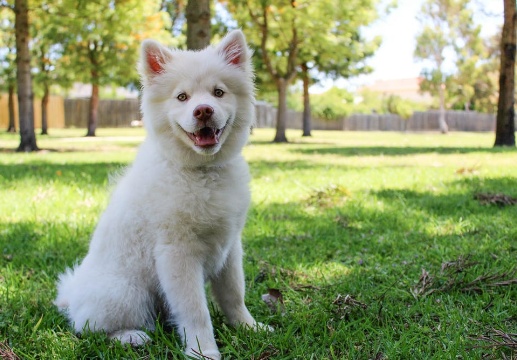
(175, 219)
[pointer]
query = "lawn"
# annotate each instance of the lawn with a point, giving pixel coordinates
(370, 245)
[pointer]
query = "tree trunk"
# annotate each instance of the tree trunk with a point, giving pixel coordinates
(44, 111)
(198, 24)
(306, 117)
(10, 101)
(23, 78)
(281, 115)
(505, 120)
(444, 128)
(94, 107)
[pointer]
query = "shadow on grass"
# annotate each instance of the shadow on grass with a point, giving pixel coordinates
(44, 172)
(88, 148)
(39, 246)
(398, 150)
(260, 168)
(404, 223)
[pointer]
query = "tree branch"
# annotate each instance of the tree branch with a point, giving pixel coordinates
(4, 4)
(263, 42)
(293, 53)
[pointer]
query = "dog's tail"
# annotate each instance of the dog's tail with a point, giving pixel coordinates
(64, 285)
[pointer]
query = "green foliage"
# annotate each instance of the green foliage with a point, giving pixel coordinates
(368, 102)
(327, 33)
(337, 103)
(484, 80)
(47, 51)
(346, 250)
(333, 104)
(332, 39)
(104, 37)
(397, 106)
(272, 29)
(323, 35)
(449, 35)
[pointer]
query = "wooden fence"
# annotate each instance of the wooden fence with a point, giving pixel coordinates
(56, 115)
(456, 120)
(111, 113)
(420, 121)
(120, 113)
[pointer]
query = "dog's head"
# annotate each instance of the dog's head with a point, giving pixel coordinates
(199, 102)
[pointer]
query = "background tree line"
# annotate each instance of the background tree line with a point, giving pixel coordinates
(55, 43)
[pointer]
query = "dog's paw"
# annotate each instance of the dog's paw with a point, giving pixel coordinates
(133, 337)
(257, 326)
(262, 327)
(206, 355)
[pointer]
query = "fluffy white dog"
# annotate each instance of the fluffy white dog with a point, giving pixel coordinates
(175, 219)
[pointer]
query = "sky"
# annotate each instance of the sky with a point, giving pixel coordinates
(394, 59)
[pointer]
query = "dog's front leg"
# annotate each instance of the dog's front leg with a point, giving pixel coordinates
(228, 289)
(181, 277)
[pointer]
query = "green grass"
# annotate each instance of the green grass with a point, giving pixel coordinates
(341, 213)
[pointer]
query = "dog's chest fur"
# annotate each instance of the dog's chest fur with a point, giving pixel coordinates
(200, 210)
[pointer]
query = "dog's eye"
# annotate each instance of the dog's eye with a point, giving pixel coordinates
(218, 93)
(182, 97)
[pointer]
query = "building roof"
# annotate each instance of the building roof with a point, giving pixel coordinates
(405, 88)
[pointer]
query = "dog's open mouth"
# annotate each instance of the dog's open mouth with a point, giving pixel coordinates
(206, 137)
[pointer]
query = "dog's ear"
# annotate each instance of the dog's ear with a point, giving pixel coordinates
(233, 48)
(153, 57)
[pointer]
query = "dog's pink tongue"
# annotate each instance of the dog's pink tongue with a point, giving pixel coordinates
(206, 137)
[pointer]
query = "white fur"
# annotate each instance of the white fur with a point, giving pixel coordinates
(175, 218)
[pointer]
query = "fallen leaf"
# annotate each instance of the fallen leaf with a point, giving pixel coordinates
(6, 353)
(497, 339)
(274, 300)
(472, 170)
(345, 305)
(495, 199)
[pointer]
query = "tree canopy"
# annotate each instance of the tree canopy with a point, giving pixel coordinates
(293, 35)
(105, 44)
(458, 70)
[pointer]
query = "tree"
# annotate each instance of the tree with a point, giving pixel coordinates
(431, 45)
(333, 45)
(451, 40)
(198, 24)
(272, 27)
(306, 113)
(505, 120)
(50, 66)
(8, 62)
(24, 78)
(103, 37)
(398, 106)
(485, 86)
(291, 36)
(333, 104)
(470, 54)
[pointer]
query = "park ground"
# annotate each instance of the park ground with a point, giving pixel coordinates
(368, 245)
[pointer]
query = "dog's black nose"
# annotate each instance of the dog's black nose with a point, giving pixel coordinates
(203, 112)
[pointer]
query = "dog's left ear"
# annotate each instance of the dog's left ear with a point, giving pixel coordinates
(233, 48)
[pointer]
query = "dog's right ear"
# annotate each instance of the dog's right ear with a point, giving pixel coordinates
(153, 57)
